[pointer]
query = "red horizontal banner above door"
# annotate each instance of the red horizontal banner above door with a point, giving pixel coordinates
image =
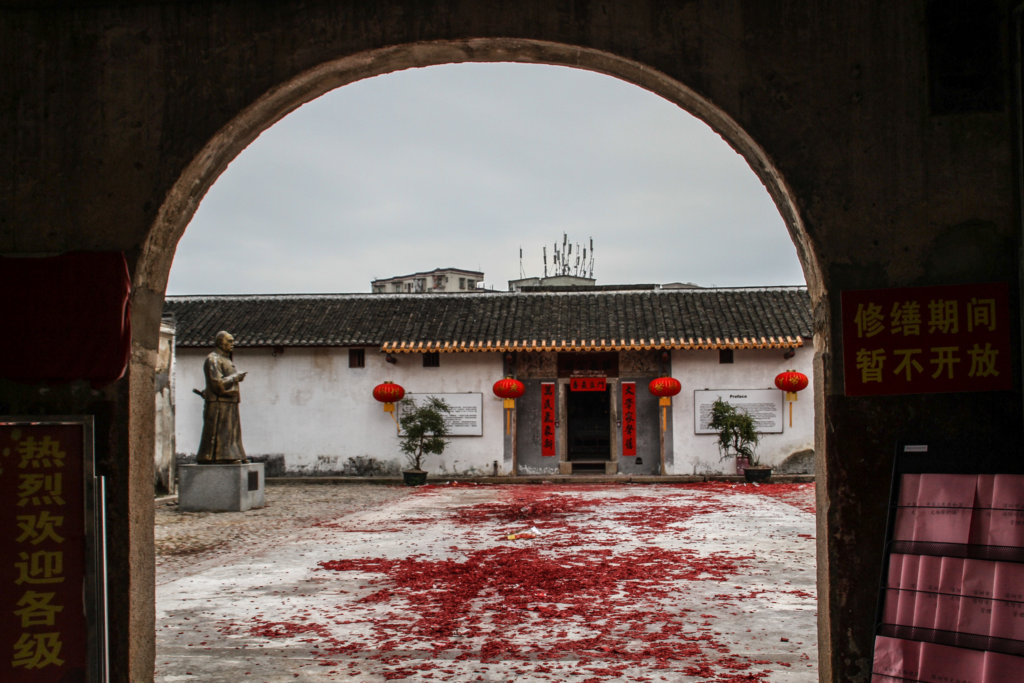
(588, 384)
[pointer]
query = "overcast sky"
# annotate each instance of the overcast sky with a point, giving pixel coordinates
(464, 165)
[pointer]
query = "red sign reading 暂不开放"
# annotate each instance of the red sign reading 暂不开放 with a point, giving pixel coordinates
(927, 340)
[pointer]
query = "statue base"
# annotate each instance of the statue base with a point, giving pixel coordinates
(221, 488)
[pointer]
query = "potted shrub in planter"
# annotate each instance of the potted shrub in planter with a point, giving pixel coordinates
(738, 438)
(423, 432)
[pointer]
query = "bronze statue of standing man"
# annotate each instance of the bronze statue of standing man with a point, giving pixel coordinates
(221, 442)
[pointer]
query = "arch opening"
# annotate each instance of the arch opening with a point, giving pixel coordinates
(184, 198)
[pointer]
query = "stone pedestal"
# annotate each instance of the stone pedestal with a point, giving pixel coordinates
(221, 488)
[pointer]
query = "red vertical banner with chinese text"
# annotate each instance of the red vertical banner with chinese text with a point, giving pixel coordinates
(43, 635)
(547, 418)
(629, 418)
(927, 340)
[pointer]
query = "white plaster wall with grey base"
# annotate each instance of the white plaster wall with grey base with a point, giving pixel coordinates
(221, 488)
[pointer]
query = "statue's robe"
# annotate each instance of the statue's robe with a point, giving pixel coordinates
(222, 430)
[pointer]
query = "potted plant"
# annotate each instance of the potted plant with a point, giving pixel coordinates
(423, 432)
(738, 438)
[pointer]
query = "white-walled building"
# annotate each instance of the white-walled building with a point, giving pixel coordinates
(437, 280)
(313, 361)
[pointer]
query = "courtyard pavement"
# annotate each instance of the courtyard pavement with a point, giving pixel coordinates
(461, 582)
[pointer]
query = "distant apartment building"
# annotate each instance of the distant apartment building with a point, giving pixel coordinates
(437, 280)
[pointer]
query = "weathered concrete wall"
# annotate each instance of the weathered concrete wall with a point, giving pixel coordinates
(536, 368)
(890, 167)
(750, 369)
(529, 459)
(648, 432)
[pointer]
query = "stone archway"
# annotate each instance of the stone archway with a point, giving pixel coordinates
(183, 199)
(894, 146)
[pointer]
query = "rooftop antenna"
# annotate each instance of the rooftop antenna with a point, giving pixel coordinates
(562, 261)
(522, 273)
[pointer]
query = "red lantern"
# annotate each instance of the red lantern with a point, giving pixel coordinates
(509, 389)
(791, 382)
(665, 388)
(388, 393)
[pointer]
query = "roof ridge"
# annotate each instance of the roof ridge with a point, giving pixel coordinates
(487, 293)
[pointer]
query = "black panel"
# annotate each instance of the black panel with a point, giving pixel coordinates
(965, 65)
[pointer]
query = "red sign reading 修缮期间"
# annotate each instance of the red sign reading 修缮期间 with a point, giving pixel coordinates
(927, 340)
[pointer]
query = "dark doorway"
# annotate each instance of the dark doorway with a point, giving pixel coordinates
(588, 433)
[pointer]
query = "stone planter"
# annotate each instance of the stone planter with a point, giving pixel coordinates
(414, 477)
(757, 474)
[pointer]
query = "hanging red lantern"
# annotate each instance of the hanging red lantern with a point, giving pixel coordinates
(665, 388)
(509, 389)
(389, 393)
(791, 382)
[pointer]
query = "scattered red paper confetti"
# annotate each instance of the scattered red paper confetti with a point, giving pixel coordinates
(600, 601)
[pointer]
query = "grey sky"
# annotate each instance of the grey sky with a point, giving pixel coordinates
(463, 165)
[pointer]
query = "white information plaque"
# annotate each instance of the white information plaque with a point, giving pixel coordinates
(764, 405)
(466, 417)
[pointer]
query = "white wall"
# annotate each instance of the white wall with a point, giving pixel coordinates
(698, 370)
(309, 406)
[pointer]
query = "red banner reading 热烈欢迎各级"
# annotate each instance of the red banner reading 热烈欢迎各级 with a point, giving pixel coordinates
(44, 637)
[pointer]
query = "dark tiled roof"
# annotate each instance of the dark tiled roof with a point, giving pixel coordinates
(688, 318)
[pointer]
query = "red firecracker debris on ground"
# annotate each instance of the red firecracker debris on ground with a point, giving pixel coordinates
(694, 582)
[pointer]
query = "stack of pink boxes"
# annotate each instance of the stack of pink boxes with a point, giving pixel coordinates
(954, 594)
